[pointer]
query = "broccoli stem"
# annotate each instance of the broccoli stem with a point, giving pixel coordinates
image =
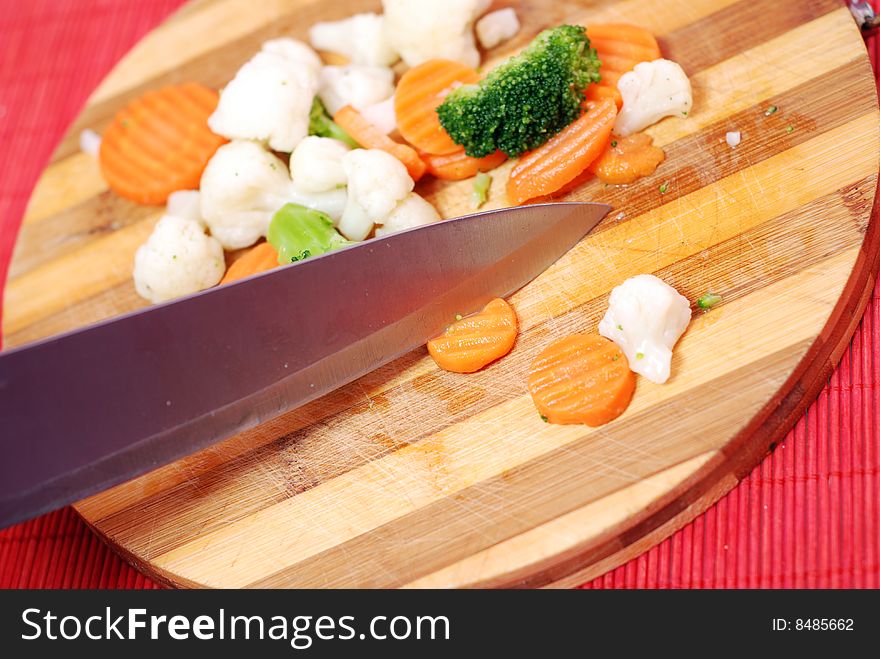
(322, 125)
(480, 190)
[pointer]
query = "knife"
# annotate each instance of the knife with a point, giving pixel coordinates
(95, 407)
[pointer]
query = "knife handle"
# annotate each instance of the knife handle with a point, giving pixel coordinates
(866, 18)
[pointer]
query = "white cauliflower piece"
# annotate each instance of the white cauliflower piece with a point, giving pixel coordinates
(185, 203)
(90, 143)
(652, 91)
(356, 85)
(177, 259)
(270, 97)
(331, 202)
(646, 317)
(424, 29)
(412, 212)
(382, 115)
(377, 182)
(497, 27)
(361, 38)
(316, 164)
(241, 189)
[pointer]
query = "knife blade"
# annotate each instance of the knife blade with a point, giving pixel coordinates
(95, 407)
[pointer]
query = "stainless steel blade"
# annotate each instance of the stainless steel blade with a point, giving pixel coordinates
(93, 408)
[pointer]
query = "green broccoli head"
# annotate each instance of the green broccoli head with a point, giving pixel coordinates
(525, 101)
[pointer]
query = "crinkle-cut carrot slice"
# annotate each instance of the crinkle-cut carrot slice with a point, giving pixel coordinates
(160, 143)
(582, 378)
(257, 259)
(627, 159)
(471, 343)
(458, 165)
(420, 90)
(560, 160)
(370, 137)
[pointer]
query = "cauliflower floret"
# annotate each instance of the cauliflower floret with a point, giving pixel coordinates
(177, 259)
(270, 97)
(330, 202)
(185, 203)
(652, 91)
(412, 212)
(382, 115)
(645, 317)
(361, 38)
(294, 51)
(316, 164)
(377, 182)
(424, 29)
(355, 85)
(242, 187)
(496, 27)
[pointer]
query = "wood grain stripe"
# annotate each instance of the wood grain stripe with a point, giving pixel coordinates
(62, 185)
(50, 290)
(552, 542)
(76, 227)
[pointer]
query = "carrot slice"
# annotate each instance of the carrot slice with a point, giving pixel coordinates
(370, 137)
(419, 92)
(620, 47)
(598, 92)
(624, 32)
(258, 259)
(558, 161)
(458, 165)
(625, 49)
(160, 143)
(628, 158)
(471, 343)
(582, 378)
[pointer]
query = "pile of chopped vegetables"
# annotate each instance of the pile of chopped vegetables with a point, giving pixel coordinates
(296, 158)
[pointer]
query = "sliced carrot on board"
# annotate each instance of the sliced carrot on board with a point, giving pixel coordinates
(160, 143)
(471, 343)
(624, 32)
(582, 378)
(370, 137)
(257, 259)
(458, 165)
(598, 92)
(420, 90)
(627, 158)
(560, 160)
(620, 47)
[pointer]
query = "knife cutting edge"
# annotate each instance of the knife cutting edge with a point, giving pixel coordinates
(93, 408)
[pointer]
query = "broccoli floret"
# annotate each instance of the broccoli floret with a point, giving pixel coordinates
(322, 125)
(527, 100)
(297, 232)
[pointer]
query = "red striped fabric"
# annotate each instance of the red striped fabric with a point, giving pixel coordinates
(807, 517)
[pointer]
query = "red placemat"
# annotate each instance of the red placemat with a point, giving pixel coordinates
(806, 517)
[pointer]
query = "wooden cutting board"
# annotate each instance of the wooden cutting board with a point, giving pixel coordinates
(416, 477)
